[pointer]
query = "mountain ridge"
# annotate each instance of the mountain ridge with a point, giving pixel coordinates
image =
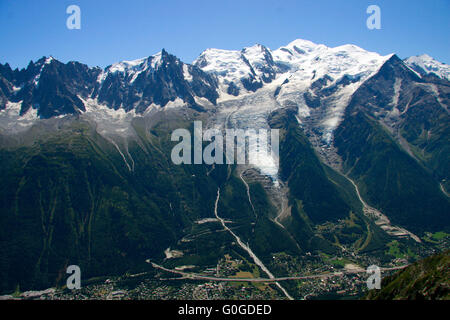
(259, 66)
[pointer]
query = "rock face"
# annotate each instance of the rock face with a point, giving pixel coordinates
(156, 80)
(428, 279)
(48, 86)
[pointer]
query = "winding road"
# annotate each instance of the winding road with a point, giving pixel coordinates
(257, 261)
(381, 219)
(248, 193)
(194, 276)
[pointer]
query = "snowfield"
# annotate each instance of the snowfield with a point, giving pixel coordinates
(318, 80)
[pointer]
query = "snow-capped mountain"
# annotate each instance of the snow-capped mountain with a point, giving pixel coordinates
(47, 87)
(309, 62)
(239, 71)
(424, 64)
(321, 80)
(52, 88)
(317, 79)
(156, 80)
(258, 65)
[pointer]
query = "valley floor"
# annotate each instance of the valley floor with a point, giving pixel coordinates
(233, 278)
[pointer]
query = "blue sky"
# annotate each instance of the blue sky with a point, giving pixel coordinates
(114, 30)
